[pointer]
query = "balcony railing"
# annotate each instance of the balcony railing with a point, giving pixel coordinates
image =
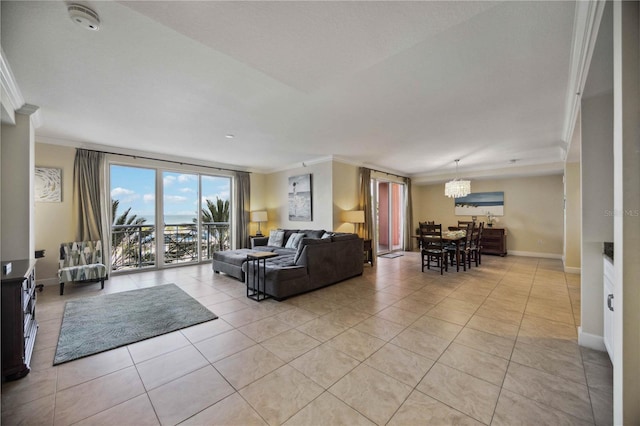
(134, 246)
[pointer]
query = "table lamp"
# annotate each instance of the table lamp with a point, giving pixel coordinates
(259, 216)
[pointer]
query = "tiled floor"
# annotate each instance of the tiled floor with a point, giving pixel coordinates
(493, 345)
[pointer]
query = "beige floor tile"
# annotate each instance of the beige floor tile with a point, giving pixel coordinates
(281, 394)
(230, 306)
(557, 363)
(245, 316)
(324, 365)
(480, 364)
(401, 364)
(549, 334)
(35, 385)
(223, 345)
(374, 394)
(450, 315)
(42, 359)
(231, 411)
(602, 403)
(89, 368)
(36, 412)
(465, 393)
(356, 344)
(420, 409)
(346, 316)
(315, 304)
(182, 398)
(205, 330)
(322, 329)
(514, 409)
(549, 389)
(136, 411)
(380, 328)
(369, 306)
(436, 327)
(550, 313)
(459, 305)
(265, 329)
(489, 343)
(290, 344)
(165, 368)
(491, 326)
(423, 344)
(417, 306)
(328, 410)
(595, 357)
(247, 366)
(399, 316)
(296, 316)
(157, 346)
(89, 398)
(497, 304)
(599, 377)
(500, 314)
(213, 298)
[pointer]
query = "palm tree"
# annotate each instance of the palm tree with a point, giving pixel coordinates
(126, 234)
(215, 213)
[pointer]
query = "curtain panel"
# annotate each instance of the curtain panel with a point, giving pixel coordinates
(89, 205)
(242, 195)
(408, 216)
(364, 203)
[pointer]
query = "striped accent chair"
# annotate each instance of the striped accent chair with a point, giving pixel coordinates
(81, 261)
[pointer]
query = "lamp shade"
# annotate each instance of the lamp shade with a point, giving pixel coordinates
(259, 216)
(457, 188)
(353, 216)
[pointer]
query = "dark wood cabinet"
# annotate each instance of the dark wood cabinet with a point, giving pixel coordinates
(494, 241)
(19, 325)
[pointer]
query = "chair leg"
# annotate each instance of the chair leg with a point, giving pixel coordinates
(61, 289)
(102, 284)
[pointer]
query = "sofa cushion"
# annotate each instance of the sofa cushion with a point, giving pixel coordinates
(287, 234)
(294, 240)
(276, 238)
(313, 233)
(344, 236)
(308, 241)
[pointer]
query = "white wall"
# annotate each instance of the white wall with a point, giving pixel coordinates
(17, 147)
(276, 190)
(597, 211)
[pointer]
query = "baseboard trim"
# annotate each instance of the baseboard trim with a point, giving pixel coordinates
(591, 340)
(572, 270)
(535, 254)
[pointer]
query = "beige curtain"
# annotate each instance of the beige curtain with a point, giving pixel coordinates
(91, 211)
(364, 203)
(408, 216)
(242, 194)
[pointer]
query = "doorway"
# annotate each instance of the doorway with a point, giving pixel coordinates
(389, 217)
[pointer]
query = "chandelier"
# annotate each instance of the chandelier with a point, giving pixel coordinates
(457, 188)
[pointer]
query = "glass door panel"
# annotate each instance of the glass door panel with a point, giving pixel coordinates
(389, 216)
(180, 212)
(215, 214)
(133, 213)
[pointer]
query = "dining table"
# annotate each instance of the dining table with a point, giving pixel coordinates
(453, 236)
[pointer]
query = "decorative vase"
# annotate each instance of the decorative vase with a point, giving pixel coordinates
(490, 225)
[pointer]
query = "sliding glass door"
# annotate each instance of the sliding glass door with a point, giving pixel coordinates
(389, 218)
(163, 218)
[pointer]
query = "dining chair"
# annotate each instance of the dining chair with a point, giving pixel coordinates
(476, 245)
(465, 247)
(433, 247)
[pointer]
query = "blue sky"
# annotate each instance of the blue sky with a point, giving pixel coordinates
(135, 188)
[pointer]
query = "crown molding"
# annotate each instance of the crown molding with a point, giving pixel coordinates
(12, 98)
(556, 168)
(585, 32)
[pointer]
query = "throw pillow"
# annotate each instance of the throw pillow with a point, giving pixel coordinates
(294, 240)
(276, 238)
(327, 235)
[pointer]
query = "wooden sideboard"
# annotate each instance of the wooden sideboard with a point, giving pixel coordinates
(494, 241)
(19, 325)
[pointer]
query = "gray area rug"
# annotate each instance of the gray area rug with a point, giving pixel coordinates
(101, 323)
(391, 255)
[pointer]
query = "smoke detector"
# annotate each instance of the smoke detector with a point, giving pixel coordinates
(84, 16)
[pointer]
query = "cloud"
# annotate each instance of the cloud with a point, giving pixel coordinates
(124, 195)
(186, 190)
(148, 198)
(168, 180)
(186, 178)
(175, 199)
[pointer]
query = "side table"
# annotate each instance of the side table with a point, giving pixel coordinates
(368, 252)
(254, 280)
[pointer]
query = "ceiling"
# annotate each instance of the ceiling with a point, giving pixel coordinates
(404, 87)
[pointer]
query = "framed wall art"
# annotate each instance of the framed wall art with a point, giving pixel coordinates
(48, 185)
(480, 204)
(300, 198)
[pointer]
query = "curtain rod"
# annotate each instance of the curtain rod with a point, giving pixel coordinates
(387, 173)
(182, 163)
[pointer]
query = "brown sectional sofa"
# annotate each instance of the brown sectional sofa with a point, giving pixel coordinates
(315, 263)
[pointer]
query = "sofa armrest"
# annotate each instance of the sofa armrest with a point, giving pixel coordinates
(259, 241)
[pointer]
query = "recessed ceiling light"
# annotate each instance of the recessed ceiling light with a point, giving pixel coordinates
(83, 16)
(229, 136)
